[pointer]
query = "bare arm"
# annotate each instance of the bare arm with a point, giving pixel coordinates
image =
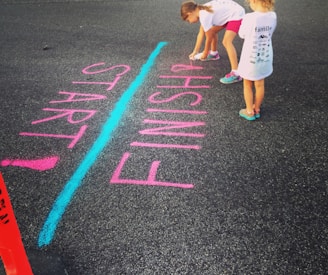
(199, 41)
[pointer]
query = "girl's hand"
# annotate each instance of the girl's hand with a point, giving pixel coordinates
(192, 56)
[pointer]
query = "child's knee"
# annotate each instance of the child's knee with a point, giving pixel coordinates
(227, 43)
(259, 84)
(228, 38)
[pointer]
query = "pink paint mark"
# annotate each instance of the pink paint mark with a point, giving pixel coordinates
(75, 138)
(151, 180)
(74, 97)
(174, 125)
(166, 145)
(183, 67)
(67, 112)
(42, 164)
(191, 112)
(187, 82)
(110, 85)
(125, 68)
(198, 99)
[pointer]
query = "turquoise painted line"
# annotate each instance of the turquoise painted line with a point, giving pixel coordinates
(64, 198)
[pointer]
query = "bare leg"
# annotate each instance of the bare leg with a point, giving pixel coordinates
(228, 38)
(248, 95)
(259, 94)
(214, 45)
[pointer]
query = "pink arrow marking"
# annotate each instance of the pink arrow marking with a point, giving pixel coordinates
(35, 164)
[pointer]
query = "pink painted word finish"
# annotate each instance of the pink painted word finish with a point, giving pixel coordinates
(176, 128)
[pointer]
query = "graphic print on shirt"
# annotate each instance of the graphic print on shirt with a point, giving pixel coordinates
(261, 45)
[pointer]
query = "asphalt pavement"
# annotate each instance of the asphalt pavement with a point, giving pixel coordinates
(122, 156)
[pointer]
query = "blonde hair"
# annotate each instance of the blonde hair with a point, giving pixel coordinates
(190, 6)
(269, 4)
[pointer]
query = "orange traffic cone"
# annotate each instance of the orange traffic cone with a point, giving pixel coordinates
(12, 250)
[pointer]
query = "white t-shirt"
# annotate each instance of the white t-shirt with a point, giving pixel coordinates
(223, 12)
(257, 55)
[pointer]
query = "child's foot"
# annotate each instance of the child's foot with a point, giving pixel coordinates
(230, 78)
(211, 57)
(246, 115)
(257, 112)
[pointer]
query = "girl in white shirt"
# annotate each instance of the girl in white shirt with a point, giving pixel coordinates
(213, 17)
(257, 55)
